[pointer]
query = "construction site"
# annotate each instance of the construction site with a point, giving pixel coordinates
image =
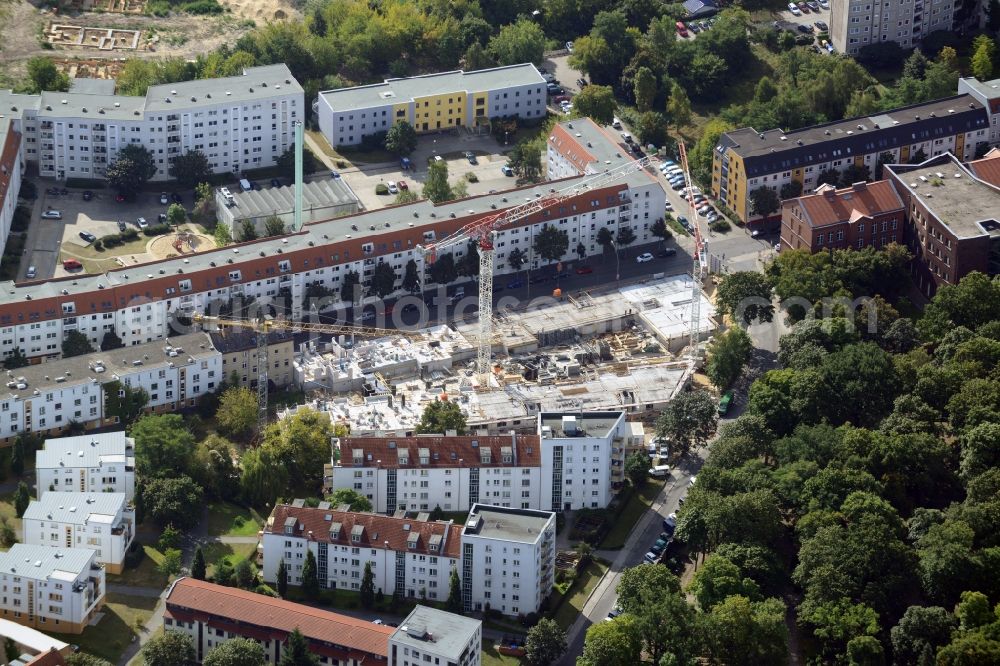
(622, 349)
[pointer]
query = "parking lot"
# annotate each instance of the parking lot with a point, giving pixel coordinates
(51, 241)
(788, 21)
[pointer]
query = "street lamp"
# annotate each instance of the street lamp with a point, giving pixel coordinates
(618, 266)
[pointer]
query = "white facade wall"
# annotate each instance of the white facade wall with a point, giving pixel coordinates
(108, 535)
(857, 23)
(107, 477)
(577, 471)
(986, 93)
(60, 467)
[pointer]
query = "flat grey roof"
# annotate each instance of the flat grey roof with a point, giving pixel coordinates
(281, 200)
(85, 450)
(496, 522)
(13, 104)
(41, 562)
(448, 632)
(254, 83)
(395, 91)
(82, 369)
(93, 107)
(988, 89)
(601, 143)
(592, 424)
(75, 507)
(92, 86)
(956, 197)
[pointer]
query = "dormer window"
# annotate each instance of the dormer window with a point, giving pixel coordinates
(290, 525)
(356, 532)
(357, 456)
(335, 531)
(507, 455)
(425, 456)
(412, 540)
(485, 456)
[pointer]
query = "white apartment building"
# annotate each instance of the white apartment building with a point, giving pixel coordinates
(429, 635)
(238, 122)
(986, 93)
(415, 556)
(582, 458)
(508, 559)
(412, 557)
(55, 589)
(424, 472)
(96, 463)
(100, 521)
(432, 102)
(855, 24)
(11, 167)
(49, 397)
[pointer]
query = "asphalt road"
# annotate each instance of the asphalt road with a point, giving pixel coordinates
(643, 535)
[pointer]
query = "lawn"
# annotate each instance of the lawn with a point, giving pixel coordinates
(109, 638)
(493, 658)
(637, 505)
(143, 575)
(79, 251)
(228, 552)
(228, 519)
(572, 603)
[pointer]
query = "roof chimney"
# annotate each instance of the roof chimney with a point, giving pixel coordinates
(860, 186)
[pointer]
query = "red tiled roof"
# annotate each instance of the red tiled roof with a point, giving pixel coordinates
(988, 168)
(444, 451)
(248, 611)
(378, 529)
(50, 658)
(831, 206)
(569, 147)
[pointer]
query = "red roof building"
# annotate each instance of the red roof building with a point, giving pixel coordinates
(987, 169)
(862, 215)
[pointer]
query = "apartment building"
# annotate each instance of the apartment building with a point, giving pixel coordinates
(431, 103)
(238, 122)
(94, 463)
(410, 557)
(986, 93)
(747, 159)
(102, 522)
(11, 166)
(141, 303)
(953, 223)
(855, 24)
(32, 646)
(213, 614)
(238, 347)
(452, 473)
(508, 559)
(414, 557)
(429, 635)
(863, 215)
(55, 589)
(583, 458)
(50, 397)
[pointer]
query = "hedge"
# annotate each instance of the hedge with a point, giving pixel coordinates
(157, 230)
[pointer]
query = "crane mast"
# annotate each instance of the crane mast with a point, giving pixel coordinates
(483, 233)
(699, 247)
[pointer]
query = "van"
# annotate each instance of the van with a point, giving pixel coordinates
(245, 185)
(659, 471)
(227, 196)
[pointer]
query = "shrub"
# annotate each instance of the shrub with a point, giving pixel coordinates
(721, 225)
(157, 230)
(28, 189)
(471, 177)
(381, 188)
(202, 7)
(341, 164)
(99, 245)
(20, 219)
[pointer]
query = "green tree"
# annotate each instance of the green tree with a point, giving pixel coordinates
(173, 501)
(443, 270)
(651, 127)
(984, 50)
(551, 243)
(625, 237)
(296, 651)
(405, 197)
(274, 226)
(84, 659)
(411, 277)
(454, 603)
(367, 592)
(791, 190)
(637, 468)
(740, 632)
(598, 103)
(441, 416)
(728, 354)
(111, 341)
(244, 574)
(973, 611)
(198, 567)
(248, 231)
(746, 297)
(190, 168)
(124, 402)
(237, 651)
(15, 360)
(76, 343)
(590, 55)
(131, 169)
(516, 259)
(921, 631)
(836, 623)
(45, 77)
(310, 580)
(171, 648)
(522, 41)
(689, 419)
(22, 498)
(764, 201)
(214, 468)
(349, 287)
(613, 643)
(436, 186)
(170, 565)
(163, 445)
(660, 230)
(222, 235)
(401, 139)
(237, 413)
(545, 643)
(383, 279)
(356, 500)
(717, 579)
(302, 445)
(526, 160)
(679, 106)
(282, 579)
(644, 88)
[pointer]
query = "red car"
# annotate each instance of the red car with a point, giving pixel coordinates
(402, 185)
(72, 265)
(560, 99)
(584, 270)
(119, 198)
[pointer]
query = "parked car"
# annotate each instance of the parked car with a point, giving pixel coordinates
(813, 5)
(644, 257)
(87, 195)
(560, 99)
(821, 26)
(87, 236)
(626, 137)
(584, 270)
(684, 222)
(142, 223)
(569, 46)
(693, 27)
(516, 283)
(32, 272)
(469, 155)
(668, 252)
(794, 9)
(52, 215)
(614, 612)
(616, 123)
(72, 265)
(581, 83)
(164, 199)
(824, 4)
(803, 7)
(724, 404)
(402, 185)
(506, 170)
(392, 187)
(681, 29)
(805, 28)
(121, 225)
(650, 557)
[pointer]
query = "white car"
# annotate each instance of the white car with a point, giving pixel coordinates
(392, 187)
(32, 272)
(644, 257)
(694, 480)
(142, 223)
(164, 199)
(824, 4)
(794, 9)
(52, 215)
(668, 206)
